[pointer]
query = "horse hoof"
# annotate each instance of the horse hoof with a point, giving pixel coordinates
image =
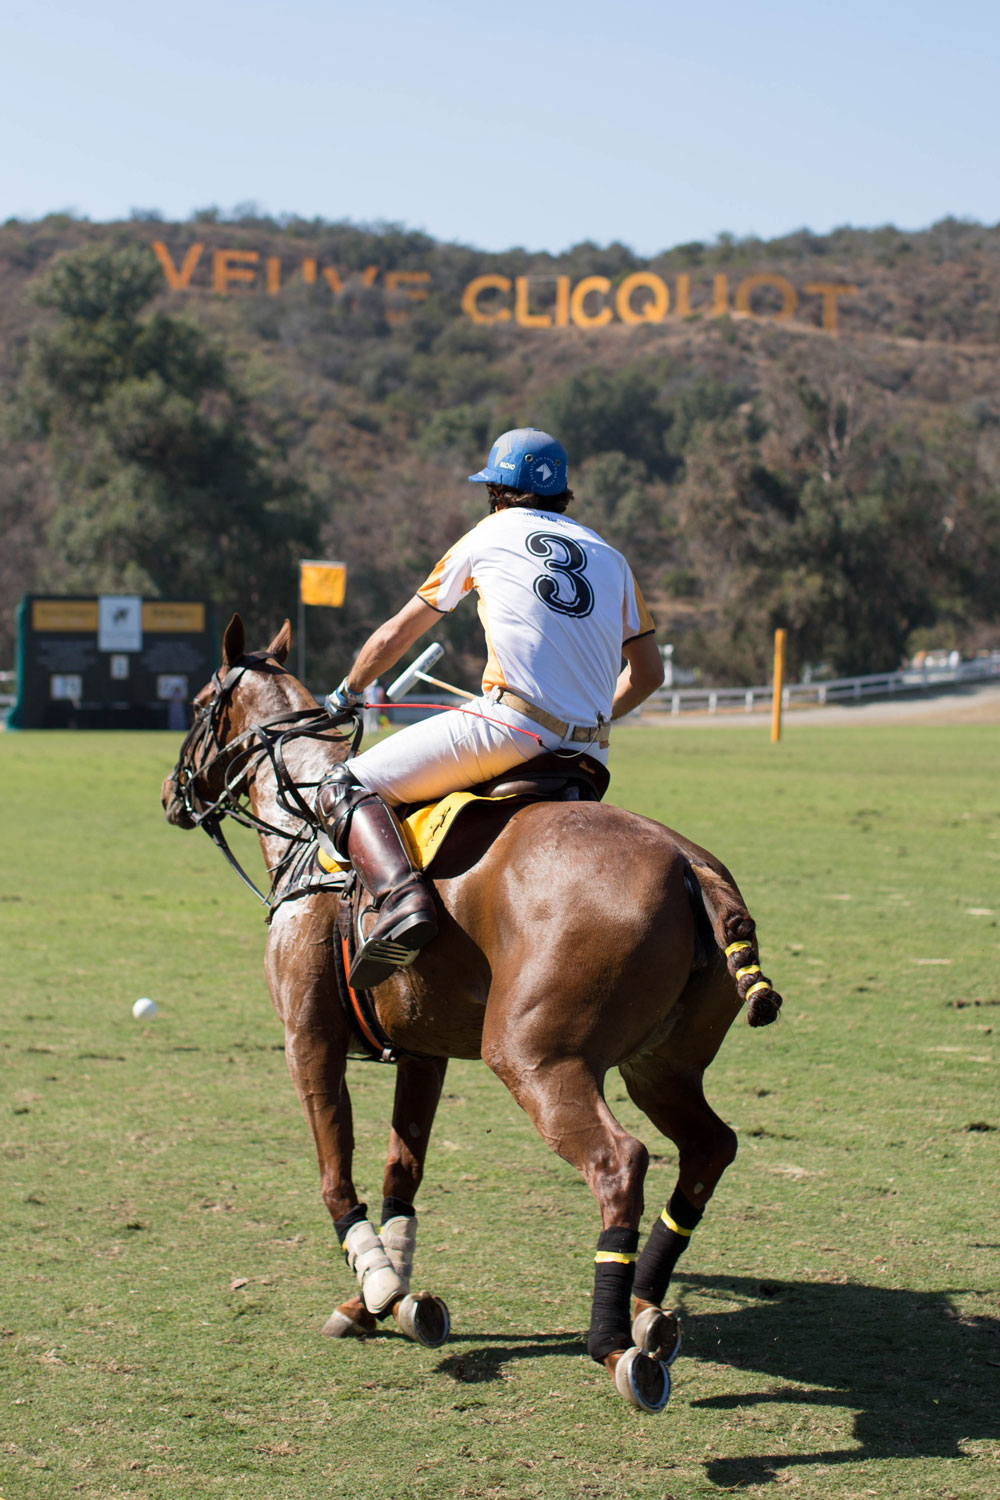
(423, 1318)
(643, 1381)
(350, 1320)
(658, 1334)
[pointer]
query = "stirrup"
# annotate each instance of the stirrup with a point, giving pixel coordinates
(379, 956)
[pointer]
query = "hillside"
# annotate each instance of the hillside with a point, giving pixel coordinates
(803, 432)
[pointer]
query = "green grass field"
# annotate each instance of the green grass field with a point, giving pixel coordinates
(166, 1262)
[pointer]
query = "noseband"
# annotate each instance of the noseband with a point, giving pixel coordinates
(205, 747)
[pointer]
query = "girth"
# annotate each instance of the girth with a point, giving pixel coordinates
(359, 1005)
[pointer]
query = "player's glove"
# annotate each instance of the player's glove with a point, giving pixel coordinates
(343, 698)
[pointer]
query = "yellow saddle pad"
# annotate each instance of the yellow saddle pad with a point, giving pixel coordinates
(425, 828)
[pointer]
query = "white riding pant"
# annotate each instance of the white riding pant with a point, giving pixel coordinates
(458, 748)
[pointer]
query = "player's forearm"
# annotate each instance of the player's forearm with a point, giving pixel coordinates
(386, 645)
(381, 651)
(641, 675)
(628, 695)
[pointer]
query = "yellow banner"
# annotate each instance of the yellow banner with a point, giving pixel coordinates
(64, 614)
(322, 583)
(160, 617)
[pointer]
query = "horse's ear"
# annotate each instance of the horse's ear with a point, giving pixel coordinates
(234, 642)
(282, 644)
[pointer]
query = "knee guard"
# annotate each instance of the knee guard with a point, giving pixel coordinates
(339, 794)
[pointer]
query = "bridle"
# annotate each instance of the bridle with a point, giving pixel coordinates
(205, 747)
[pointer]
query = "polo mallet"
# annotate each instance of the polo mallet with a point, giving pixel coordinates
(408, 679)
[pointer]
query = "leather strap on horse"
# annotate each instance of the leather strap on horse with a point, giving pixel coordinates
(578, 734)
(213, 827)
(358, 1004)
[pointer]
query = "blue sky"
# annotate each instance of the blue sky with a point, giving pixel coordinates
(524, 124)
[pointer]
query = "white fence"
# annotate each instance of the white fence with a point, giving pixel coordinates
(910, 680)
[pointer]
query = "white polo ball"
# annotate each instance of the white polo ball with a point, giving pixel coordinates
(144, 1009)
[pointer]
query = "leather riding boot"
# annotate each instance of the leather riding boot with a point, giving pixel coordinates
(405, 916)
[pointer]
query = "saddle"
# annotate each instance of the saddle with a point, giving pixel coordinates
(551, 777)
(545, 778)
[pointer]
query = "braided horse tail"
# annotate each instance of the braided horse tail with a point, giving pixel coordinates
(735, 933)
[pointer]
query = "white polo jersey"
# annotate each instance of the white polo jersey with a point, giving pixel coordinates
(556, 602)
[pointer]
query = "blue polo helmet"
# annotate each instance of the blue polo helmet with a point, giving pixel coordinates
(525, 459)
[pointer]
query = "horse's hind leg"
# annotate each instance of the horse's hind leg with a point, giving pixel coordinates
(675, 1103)
(563, 1098)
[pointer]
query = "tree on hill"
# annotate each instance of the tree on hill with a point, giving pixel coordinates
(822, 511)
(167, 480)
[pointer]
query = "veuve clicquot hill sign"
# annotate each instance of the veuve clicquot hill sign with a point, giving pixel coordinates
(549, 301)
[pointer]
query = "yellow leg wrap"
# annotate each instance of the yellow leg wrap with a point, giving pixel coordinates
(672, 1224)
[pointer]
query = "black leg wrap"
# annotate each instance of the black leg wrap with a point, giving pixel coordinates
(610, 1324)
(395, 1208)
(352, 1217)
(663, 1249)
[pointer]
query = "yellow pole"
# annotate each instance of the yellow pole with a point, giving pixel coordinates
(780, 637)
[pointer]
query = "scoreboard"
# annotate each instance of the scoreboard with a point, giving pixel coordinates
(110, 661)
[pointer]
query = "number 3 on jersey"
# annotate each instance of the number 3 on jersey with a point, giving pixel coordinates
(562, 586)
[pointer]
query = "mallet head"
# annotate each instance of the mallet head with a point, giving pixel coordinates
(408, 679)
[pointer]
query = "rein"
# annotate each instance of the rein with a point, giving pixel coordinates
(244, 755)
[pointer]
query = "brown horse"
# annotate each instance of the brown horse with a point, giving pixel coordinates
(574, 938)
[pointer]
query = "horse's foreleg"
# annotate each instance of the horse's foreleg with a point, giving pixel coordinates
(382, 1260)
(418, 1090)
(300, 974)
(327, 1106)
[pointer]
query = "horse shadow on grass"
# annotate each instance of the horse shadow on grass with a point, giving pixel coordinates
(920, 1376)
(490, 1361)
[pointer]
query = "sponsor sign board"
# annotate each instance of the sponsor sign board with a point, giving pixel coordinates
(110, 661)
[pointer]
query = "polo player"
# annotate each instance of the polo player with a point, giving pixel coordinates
(560, 609)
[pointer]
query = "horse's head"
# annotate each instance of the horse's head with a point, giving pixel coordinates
(226, 705)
